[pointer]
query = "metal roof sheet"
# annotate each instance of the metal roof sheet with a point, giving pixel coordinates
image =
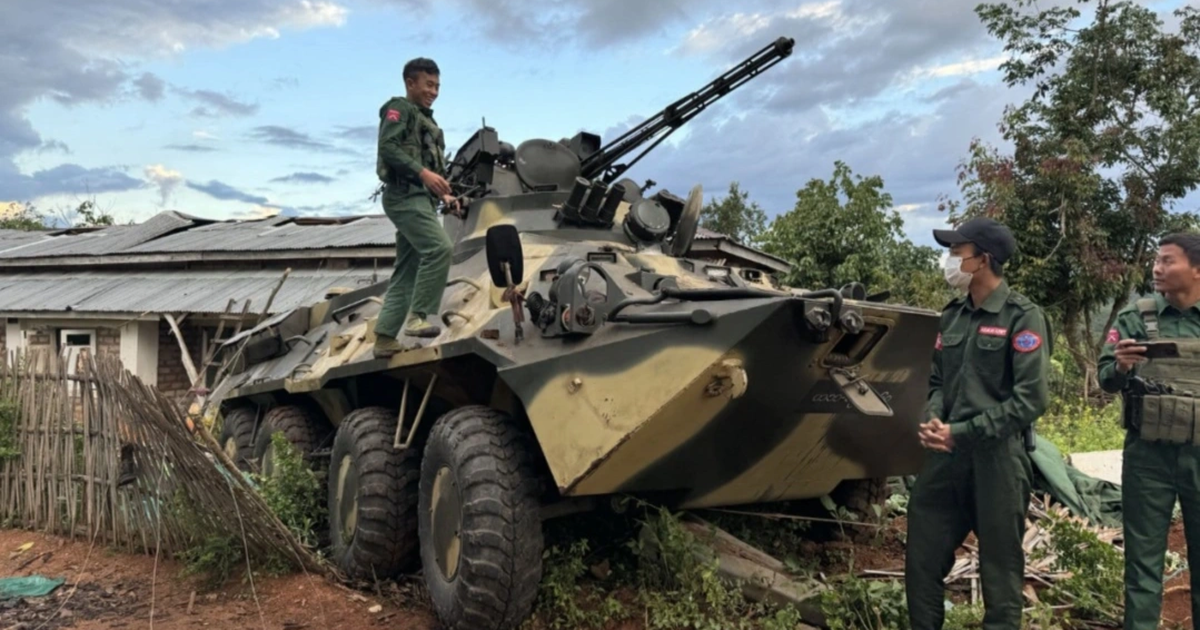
(171, 291)
(114, 239)
(279, 233)
(177, 233)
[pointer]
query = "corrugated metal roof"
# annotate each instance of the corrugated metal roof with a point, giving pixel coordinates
(177, 233)
(115, 239)
(279, 233)
(171, 291)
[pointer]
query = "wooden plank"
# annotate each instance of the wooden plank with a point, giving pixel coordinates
(760, 576)
(183, 349)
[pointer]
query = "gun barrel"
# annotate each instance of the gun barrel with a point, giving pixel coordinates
(665, 122)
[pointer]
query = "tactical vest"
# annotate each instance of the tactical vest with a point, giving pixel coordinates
(1168, 406)
(427, 146)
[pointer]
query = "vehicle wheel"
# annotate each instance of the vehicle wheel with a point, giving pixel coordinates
(372, 497)
(302, 427)
(859, 495)
(481, 535)
(237, 436)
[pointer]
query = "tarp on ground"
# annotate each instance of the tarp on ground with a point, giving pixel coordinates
(28, 586)
(1096, 500)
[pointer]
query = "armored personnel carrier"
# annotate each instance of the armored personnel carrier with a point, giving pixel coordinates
(584, 355)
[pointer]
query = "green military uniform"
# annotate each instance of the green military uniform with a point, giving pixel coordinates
(988, 382)
(1161, 460)
(410, 141)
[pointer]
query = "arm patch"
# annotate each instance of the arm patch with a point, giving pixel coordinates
(1026, 341)
(393, 115)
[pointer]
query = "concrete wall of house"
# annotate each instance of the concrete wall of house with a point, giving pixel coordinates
(139, 350)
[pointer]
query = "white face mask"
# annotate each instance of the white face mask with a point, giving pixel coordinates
(955, 276)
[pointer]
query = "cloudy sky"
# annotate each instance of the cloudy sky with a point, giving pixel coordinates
(236, 108)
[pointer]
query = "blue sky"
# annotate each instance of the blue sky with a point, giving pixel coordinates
(238, 108)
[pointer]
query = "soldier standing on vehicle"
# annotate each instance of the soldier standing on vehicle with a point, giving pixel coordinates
(987, 387)
(1161, 459)
(411, 165)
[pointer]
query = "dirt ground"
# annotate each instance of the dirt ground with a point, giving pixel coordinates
(106, 590)
(1177, 598)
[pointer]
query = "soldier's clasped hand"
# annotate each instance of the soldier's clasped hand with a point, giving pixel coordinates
(1128, 354)
(935, 435)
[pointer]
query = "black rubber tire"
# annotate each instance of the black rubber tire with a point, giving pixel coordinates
(384, 543)
(302, 427)
(490, 460)
(858, 495)
(237, 424)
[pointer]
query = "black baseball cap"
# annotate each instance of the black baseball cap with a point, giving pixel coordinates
(987, 235)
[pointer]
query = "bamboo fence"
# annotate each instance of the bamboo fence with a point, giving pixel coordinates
(101, 455)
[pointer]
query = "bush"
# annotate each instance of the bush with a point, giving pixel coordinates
(293, 492)
(9, 414)
(1079, 426)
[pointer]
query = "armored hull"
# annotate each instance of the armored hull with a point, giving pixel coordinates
(740, 407)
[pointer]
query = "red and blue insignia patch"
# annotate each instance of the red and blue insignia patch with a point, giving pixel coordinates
(1113, 336)
(393, 115)
(937, 345)
(1026, 341)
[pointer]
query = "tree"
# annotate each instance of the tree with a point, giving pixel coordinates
(735, 216)
(26, 216)
(842, 231)
(1106, 144)
(22, 216)
(86, 215)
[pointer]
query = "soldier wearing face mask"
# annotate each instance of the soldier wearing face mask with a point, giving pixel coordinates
(986, 388)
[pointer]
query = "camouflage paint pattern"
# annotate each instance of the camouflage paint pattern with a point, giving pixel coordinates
(739, 411)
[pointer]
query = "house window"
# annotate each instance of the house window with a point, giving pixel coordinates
(71, 343)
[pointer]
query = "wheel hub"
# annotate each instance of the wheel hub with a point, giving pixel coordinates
(445, 509)
(347, 482)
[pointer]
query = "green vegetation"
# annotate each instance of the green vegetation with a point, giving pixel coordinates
(9, 439)
(294, 492)
(735, 216)
(1103, 149)
(214, 557)
(1094, 589)
(845, 230)
(28, 217)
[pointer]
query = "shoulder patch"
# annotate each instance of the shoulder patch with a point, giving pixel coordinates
(1113, 336)
(1026, 341)
(393, 115)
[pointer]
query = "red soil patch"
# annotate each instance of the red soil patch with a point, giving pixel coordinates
(106, 589)
(1177, 596)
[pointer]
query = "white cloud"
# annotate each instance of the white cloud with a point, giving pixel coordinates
(257, 212)
(965, 67)
(165, 179)
(79, 51)
(719, 32)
